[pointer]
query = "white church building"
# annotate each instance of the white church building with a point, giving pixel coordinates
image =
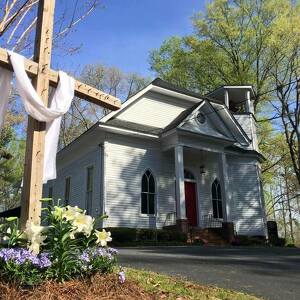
(169, 156)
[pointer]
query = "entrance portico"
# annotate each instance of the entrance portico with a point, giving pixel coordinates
(197, 171)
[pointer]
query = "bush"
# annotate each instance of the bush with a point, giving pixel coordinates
(146, 234)
(164, 235)
(170, 235)
(70, 247)
(278, 242)
(245, 240)
(178, 236)
(291, 245)
(123, 234)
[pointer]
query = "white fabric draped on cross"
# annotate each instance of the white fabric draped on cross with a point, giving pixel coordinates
(60, 102)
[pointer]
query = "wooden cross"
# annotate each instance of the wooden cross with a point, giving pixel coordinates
(42, 76)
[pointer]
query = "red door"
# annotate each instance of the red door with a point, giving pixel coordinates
(191, 203)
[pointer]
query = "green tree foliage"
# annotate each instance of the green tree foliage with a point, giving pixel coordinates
(11, 167)
(11, 156)
(234, 42)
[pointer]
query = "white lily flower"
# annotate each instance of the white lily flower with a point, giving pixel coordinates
(32, 229)
(71, 213)
(34, 236)
(83, 223)
(34, 248)
(103, 237)
(58, 212)
(8, 231)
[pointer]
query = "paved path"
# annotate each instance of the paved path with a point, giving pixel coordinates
(272, 273)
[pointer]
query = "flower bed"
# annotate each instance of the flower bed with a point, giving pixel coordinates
(69, 247)
(104, 287)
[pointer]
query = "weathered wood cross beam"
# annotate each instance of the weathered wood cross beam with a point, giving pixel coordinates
(82, 90)
(42, 76)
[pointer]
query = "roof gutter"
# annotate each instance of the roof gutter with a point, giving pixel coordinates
(129, 132)
(168, 92)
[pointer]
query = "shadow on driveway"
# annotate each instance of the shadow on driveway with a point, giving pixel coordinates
(272, 273)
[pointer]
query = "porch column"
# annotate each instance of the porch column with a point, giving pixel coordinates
(180, 192)
(248, 102)
(226, 96)
(225, 187)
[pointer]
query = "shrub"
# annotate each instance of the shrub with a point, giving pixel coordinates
(164, 235)
(171, 235)
(280, 242)
(69, 247)
(178, 236)
(291, 245)
(147, 234)
(245, 240)
(123, 234)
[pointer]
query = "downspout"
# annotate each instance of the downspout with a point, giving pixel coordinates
(102, 183)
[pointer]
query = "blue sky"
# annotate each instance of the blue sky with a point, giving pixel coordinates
(123, 32)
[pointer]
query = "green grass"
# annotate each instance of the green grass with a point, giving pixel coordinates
(174, 288)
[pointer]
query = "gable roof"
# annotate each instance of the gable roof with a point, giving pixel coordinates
(181, 117)
(224, 109)
(160, 86)
(184, 115)
(169, 86)
(230, 130)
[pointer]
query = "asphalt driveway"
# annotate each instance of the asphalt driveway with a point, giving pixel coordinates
(272, 273)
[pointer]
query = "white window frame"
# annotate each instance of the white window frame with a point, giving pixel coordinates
(148, 193)
(89, 190)
(217, 199)
(50, 192)
(67, 180)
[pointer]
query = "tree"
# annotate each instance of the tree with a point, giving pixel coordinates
(11, 167)
(280, 183)
(11, 155)
(288, 104)
(17, 24)
(18, 21)
(232, 44)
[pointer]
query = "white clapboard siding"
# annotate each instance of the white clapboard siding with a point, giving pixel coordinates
(154, 110)
(246, 207)
(77, 170)
(125, 162)
(248, 123)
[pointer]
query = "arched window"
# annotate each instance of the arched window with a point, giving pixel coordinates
(148, 194)
(217, 199)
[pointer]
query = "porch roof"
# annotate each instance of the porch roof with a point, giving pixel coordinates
(242, 150)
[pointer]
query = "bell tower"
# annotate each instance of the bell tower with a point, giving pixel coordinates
(238, 99)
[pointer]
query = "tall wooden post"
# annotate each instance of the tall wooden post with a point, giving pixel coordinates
(34, 156)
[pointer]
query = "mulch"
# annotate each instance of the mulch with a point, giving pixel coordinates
(99, 287)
